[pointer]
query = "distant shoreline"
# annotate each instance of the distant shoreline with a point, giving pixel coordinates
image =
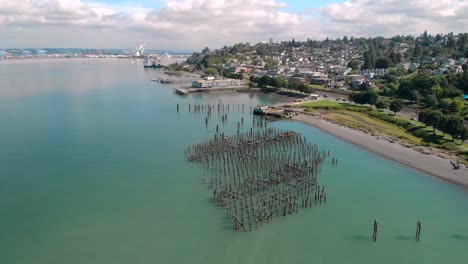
(428, 164)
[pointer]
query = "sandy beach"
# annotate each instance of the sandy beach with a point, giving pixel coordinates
(429, 164)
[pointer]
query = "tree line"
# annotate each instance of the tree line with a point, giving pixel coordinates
(278, 82)
(450, 124)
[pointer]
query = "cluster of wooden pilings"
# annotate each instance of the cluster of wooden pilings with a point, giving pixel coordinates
(220, 112)
(261, 174)
(220, 108)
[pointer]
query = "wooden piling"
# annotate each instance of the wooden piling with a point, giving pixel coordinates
(375, 231)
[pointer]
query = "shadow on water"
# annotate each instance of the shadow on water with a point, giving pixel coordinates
(362, 238)
(404, 238)
(460, 237)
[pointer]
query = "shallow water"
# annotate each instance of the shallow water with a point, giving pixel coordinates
(92, 170)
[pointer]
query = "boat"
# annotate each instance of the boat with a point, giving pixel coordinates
(152, 64)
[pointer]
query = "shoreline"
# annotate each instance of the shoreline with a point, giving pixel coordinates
(429, 164)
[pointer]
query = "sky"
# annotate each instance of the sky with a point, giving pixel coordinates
(194, 24)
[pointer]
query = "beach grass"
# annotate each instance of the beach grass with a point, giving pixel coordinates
(365, 123)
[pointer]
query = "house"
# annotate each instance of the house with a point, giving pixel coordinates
(211, 82)
(407, 66)
(296, 80)
(456, 68)
(356, 80)
(462, 61)
(320, 81)
(369, 74)
(445, 63)
(303, 71)
(440, 71)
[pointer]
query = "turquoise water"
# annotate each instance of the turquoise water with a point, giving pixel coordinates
(92, 170)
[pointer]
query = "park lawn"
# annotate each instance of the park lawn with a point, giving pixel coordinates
(363, 122)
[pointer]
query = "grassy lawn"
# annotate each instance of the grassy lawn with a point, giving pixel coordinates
(323, 104)
(318, 87)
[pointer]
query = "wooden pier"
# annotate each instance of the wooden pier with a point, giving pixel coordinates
(172, 81)
(187, 90)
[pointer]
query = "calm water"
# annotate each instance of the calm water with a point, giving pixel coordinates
(92, 170)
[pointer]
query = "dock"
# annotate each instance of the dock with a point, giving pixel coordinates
(187, 90)
(172, 81)
(269, 111)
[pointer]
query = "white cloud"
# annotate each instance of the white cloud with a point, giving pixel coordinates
(193, 24)
(392, 17)
(180, 24)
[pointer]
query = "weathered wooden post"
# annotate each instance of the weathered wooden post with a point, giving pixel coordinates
(376, 229)
(418, 230)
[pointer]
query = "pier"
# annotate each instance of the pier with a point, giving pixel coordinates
(172, 81)
(187, 90)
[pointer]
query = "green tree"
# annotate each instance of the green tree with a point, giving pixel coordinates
(417, 50)
(381, 105)
(431, 100)
(453, 125)
(370, 97)
(369, 59)
(396, 106)
(212, 71)
(353, 64)
(422, 117)
(357, 98)
(446, 104)
(433, 118)
(457, 105)
(414, 96)
(463, 134)
(383, 63)
(451, 43)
